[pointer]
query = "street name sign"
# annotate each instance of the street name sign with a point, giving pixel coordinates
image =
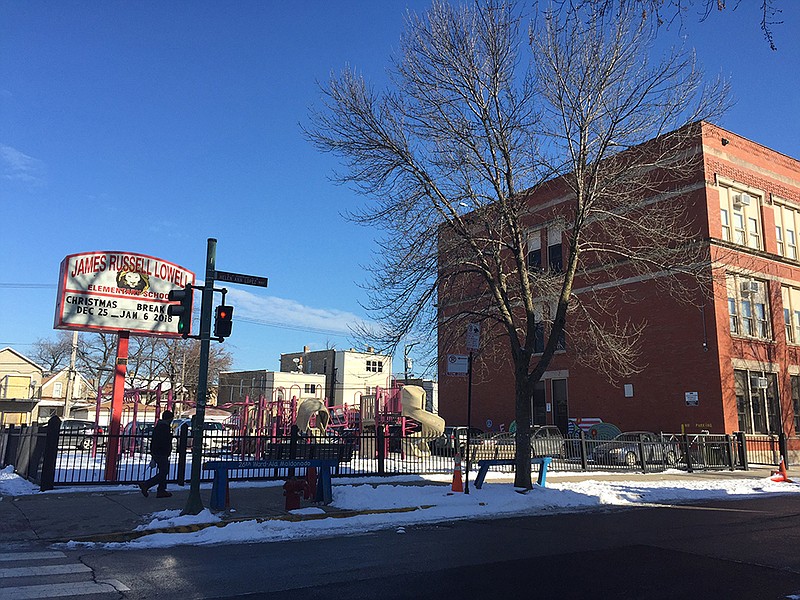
(241, 279)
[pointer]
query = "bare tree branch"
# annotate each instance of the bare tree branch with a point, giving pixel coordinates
(478, 130)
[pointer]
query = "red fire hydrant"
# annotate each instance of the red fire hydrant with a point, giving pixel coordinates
(293, 489)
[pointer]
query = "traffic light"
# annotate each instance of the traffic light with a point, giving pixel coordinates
(183, 310)
(223, 321)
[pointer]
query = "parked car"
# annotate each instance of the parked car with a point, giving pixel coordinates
(546, 440)
(624, 449)
(215, 436)
(80, 434)
(136, 437)
(454, 438)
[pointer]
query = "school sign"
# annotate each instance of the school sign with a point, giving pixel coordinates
(118, 291)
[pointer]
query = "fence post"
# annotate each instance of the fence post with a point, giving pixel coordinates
(584, 453)
(379, 443)
(642, 457)
(3, 446)
(687, 453)
(23, 460)
(183, 442)
(783, 448)
(12, 442)
(50, 454)
(729, 450)
(742, 443)
(293, 439)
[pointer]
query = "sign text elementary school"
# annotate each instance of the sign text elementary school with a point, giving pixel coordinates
(114, 291)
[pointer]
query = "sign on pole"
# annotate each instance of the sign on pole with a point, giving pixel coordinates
(457, 364)
(473, 336)
(242, 279)
(118, 291)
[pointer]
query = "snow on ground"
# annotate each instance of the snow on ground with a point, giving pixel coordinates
(421, 504)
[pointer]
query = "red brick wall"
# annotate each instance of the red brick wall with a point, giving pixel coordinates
(674, 358)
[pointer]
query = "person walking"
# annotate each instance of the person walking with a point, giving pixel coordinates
(160, 449)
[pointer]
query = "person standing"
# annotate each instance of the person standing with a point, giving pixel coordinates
(160, 449)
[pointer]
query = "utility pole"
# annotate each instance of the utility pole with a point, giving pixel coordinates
(407, 360)
(194, 504)
(71, 376)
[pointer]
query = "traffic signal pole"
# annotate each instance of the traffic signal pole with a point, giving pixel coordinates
(194, 504)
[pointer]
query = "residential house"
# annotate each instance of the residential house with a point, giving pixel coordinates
(20, 387)
(54, 396)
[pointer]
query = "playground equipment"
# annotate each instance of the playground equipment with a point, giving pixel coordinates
(312, 409)
(396, 413)
(432, 426)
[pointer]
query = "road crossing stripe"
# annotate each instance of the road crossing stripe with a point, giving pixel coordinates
(9, 556)
(44, 570)
(57, 590)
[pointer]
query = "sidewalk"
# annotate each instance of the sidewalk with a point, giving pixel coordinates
(106, 514)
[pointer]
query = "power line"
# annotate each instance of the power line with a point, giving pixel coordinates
(196, 312)
(292, 327)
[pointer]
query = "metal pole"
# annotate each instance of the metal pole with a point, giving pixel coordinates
(194, 504)
(71, 376)
(469, 421)
(117, 399)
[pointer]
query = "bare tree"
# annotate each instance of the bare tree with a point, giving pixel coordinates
(667, 12)
(184, 365)
(151, 359)
(53, 355)
(96, 353)
(473, 124)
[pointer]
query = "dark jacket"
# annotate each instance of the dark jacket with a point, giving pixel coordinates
(161, 442)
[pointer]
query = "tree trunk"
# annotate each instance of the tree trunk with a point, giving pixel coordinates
(522, 438)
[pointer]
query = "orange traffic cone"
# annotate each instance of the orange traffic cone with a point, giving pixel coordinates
(458, 485)
(781, 474)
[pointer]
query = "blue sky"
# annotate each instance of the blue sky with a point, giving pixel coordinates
(149, 127)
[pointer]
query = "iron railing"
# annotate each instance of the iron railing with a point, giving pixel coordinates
(79, 461)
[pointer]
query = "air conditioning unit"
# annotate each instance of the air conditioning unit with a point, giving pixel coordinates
(759, 383)
(749, 287)
(742, 199)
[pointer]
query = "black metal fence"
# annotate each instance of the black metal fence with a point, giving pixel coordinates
(41, 455)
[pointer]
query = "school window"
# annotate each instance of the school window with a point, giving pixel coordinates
(726, 224)
(791, 313)
(375, 366)
(757, 401)
(538, 338)
(543, 329)
(740, 217)
(310, 388)
(796, 402)
(535, 250)
(554, 260)
(787, 220)
(748, 309)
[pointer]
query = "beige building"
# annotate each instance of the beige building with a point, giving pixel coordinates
(237, 386)
(349, 374)
(20, 387)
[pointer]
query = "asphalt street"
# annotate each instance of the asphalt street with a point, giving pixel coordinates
(738, 549)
